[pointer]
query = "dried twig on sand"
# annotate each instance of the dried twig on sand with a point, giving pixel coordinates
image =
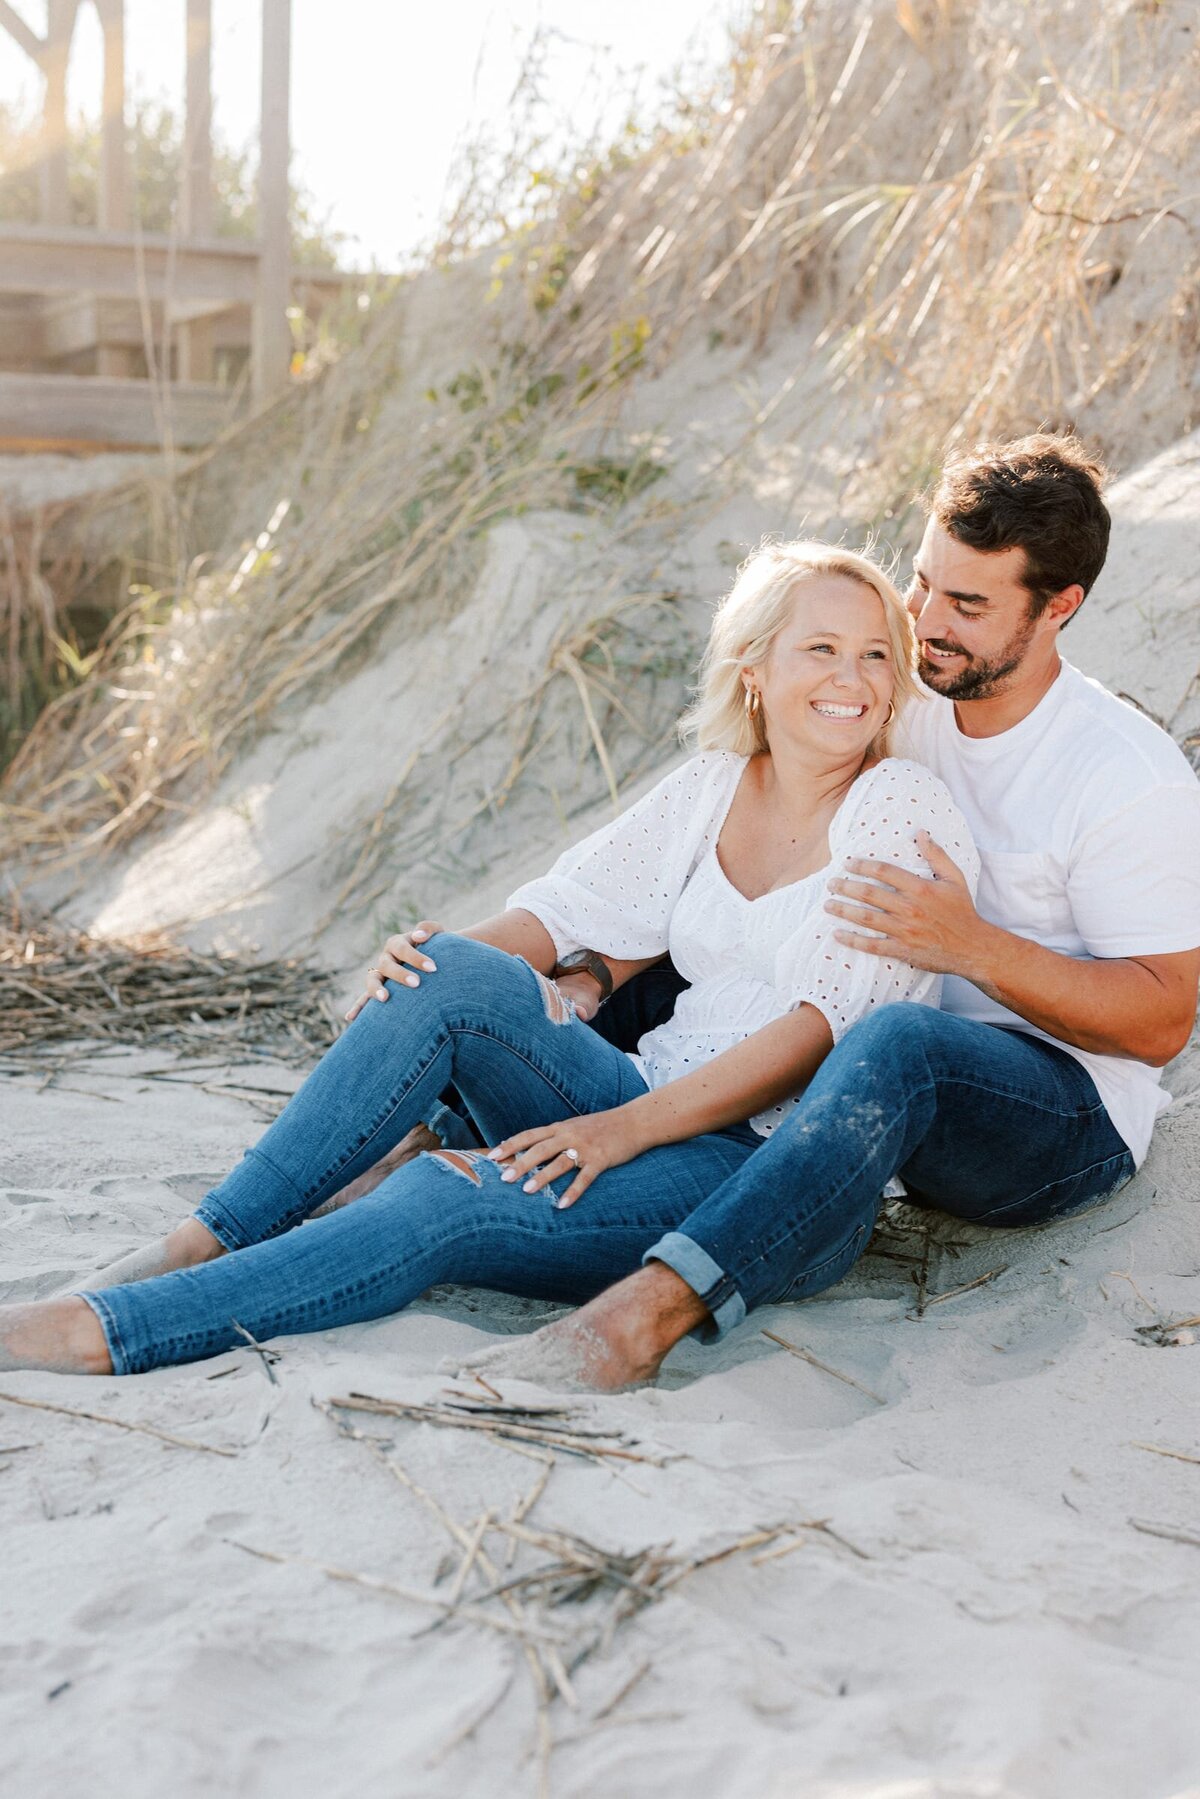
(980, 1280)
(1176, 1455)
(1174, 1533)
(1168, 1334)
(813, 1361)
(516, 1422)
(145, 1430)
(59, 985)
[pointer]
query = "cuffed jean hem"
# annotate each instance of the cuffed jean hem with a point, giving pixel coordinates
(108, 1325)
(222, 1225)
(708, 1281)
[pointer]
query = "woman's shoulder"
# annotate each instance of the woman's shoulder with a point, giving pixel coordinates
(704, 771)
(896, 785)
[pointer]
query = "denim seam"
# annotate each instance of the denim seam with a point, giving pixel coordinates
(857, 1234)
(1073, 1113)
(1079, 1174)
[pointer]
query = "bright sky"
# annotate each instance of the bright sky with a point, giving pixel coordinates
(383, 90)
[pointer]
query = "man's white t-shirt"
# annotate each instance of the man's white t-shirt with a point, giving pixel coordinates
(1087, 820)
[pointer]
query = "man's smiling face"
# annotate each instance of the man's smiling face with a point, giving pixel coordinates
(973, 613)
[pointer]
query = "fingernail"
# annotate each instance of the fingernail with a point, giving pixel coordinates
(412, 980)
(383, 995)
(560, 1205)
(510, 1174)
(430, 967)
(529, 1187)
(493, 1155)
(419, 936)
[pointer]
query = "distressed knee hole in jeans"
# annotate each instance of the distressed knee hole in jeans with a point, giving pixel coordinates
(557, 1007)
(461, 1162)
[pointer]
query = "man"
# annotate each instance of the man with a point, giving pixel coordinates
(1033, 1092)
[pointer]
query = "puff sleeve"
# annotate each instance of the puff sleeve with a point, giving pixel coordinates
(886, 809)
(615, 892)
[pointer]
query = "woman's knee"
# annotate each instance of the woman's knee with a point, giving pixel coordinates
(466, 975)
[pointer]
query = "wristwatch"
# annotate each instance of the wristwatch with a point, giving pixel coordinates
(586, 961)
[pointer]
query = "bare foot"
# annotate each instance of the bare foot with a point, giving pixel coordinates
(184, 1247)
(62, 1335)
(418, 1140)
(616, 1341)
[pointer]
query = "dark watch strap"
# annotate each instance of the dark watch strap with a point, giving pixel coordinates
(586, 961)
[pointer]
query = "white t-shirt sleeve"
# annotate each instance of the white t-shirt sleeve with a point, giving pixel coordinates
(615, 892)
(897, 800)
(1134, 879)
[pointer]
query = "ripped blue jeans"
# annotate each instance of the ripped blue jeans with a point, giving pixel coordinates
(988, 1124)
(515, 1051)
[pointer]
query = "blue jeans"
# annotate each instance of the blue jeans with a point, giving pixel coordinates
(515, 1051)
(985, 1123)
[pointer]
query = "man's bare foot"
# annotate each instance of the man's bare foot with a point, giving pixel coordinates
(185, 1247)
(617, 1340)
(62, 1335)
(418, 1140)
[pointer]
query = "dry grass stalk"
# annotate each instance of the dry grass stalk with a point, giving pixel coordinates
(472, 1614)
(1176, 1455)
(61, 986)
(1169, 1334)
(144, 1430)
(806, 1355)
(980, 1280)
(1174, 1533)
(503, 1422)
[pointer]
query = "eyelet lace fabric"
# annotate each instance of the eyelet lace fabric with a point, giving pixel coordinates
(651, 882)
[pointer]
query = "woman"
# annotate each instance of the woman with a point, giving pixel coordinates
(725, 863)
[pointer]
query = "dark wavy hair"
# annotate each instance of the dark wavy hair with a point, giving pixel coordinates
(1040, 494)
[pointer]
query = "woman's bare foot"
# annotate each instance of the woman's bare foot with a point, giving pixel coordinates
(62, 1335)
(185, 1247)
(618, 1340)
(418, 1140)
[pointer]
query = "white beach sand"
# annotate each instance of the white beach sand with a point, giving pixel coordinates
(988, 1622)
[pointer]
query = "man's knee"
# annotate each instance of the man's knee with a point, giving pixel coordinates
(897, 1034)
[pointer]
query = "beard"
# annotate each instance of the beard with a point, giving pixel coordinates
(983, 677)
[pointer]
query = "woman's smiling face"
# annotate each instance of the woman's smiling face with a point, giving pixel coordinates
(828, 677)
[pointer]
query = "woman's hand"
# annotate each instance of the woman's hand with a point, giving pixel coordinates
(396, 961)
(589, 1145)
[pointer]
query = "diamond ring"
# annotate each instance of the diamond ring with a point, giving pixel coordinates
(572, 1155)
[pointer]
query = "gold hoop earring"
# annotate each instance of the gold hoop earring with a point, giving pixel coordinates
(891, 713)
(753, 702)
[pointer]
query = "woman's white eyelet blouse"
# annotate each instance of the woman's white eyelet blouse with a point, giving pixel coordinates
(651, 882)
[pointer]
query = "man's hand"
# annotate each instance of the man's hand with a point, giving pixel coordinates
(931, 924)
(599, 1140)
(583, 991)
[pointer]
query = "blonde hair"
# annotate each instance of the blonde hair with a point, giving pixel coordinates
(749, 619)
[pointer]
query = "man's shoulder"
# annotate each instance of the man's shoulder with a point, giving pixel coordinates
(1112, 747)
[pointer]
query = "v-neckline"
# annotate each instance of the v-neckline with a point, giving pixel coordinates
(746, 898)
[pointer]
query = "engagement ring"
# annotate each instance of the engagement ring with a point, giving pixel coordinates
(572, 1155)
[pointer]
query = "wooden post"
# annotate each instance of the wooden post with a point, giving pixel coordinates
(195, 349)
(113, 209)
(60, 28)
(271, 351)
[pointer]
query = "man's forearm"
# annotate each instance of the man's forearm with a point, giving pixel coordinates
(1108, 1007)
(770, 1065)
